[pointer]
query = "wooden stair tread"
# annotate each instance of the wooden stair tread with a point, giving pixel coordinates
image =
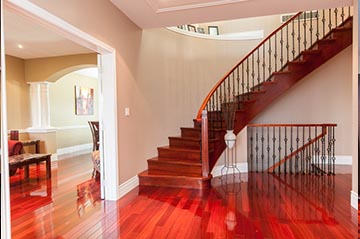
(146, 174)
(179, 149)
(174, 162)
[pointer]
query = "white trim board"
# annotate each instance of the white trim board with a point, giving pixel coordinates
(76, 149)
(354, 197)
(128, 185)
(108, 115)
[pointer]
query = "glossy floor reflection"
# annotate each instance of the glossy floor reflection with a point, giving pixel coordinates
(47, 208)
(251, 206)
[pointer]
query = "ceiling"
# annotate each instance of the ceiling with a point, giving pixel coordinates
(165, 13)
(36, 40)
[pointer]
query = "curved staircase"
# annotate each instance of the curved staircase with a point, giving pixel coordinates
(295, 49)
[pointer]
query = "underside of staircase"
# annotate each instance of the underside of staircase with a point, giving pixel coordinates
(179, 164)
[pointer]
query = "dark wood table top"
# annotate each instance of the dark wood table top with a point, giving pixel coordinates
(26, 157)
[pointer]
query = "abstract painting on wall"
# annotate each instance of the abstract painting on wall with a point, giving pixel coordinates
(84, 100)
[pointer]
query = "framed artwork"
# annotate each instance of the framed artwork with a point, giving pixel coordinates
(84, 100)
(191, 28)
(201, 30)
(213, 30)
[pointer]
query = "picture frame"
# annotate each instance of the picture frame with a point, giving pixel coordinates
(191, 28)
(84, 100)
(213, 30)
(201, 30)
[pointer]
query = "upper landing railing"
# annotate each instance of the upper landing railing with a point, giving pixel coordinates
(283, 45)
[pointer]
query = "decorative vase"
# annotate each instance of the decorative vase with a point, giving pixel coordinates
(230, 138)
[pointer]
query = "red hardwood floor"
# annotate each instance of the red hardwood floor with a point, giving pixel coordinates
(261, 206)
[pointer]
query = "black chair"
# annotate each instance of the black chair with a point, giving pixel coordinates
(94, 126)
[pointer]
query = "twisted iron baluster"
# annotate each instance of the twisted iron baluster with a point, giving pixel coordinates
(275, 52)
(287, 43)
(311, 27)
(247, 77)
(281, 49)
(242, 81)
(257, 148)
(251, 149)
(299, 35)
(293, 39)
(258, 68)
(274, 146)
(330, 25)
(304, 24)
(291, 149)
(333, 150)
(262, 148)
(268, 148)
(279, 148)
(238, 88)
(323, 149)
(317, 26)
(252, 73)
(285, 140)
(264, 64)
(269, 51)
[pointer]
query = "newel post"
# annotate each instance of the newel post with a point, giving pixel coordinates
(204, 144)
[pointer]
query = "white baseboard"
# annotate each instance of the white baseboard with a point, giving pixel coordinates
(354, 197)
(243, 167)
(343, 160)
(77, 149)
(127, 186)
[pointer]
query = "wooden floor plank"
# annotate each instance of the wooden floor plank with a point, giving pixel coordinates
(254, 206)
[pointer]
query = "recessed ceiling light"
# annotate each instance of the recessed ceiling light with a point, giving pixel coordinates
(20, 46)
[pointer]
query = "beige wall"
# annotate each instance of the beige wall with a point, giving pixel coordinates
(62, 110)
(162, 76)
(18, 101)
(52, 68)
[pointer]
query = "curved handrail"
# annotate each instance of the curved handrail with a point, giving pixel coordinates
(203, 105)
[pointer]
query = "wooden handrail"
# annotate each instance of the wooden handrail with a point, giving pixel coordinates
(203, 105)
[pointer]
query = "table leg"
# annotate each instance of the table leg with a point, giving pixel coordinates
(48, 167)
(26, 171)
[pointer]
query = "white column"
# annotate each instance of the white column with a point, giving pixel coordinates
(40, 107)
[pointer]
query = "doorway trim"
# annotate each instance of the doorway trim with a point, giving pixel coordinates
(107, 105)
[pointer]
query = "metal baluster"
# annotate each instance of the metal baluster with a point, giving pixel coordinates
(242, 82)
(310, 151)
(279, 148)
(329, 150)
(258, 68)
(317, 164)
(336, 20)
(297, 150)
(333, 150)
(317, 26)
(342, 14)
(287, 43)
(285, 140)
(275, 52)
(349, 8)
(238, 88)
(269, 51)
(330, 25)
(293, 39)
(257, 148)
(304, 155)
(262, 148)
(311, 27)
(281, 48)
(228, 90)
(252, 73)
(251, 150)
(234, 101)
(274, 146)
(268, 148)
(299, 36)
(323, 22)
(247, 78)
(323, 154)
(304, 24)
(264, 64)
(291, 149)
